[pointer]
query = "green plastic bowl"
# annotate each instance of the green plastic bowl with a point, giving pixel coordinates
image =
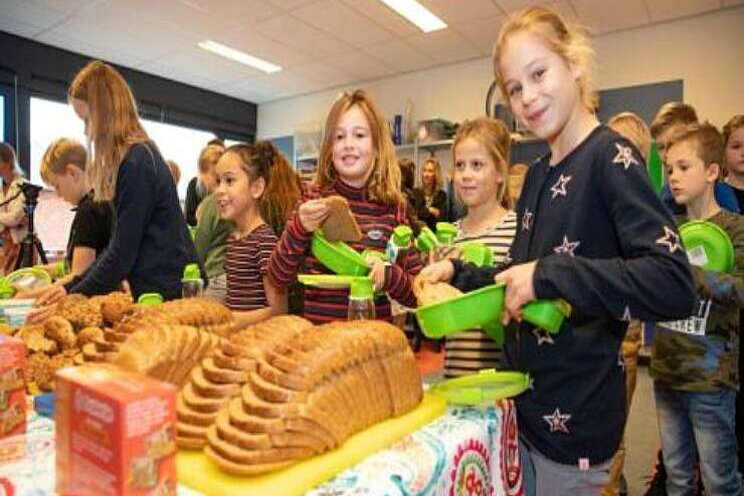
(486, 386)
(708, 246)
(468, 311)
(338, 256)
(546, 314)
(150, 299)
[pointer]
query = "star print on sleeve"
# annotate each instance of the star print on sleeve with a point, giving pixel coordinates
(559, 188)
(670, 239)
(527, 220)
(567, 247)
(624, 156)
(626, 314)
(542, 337)
(557, 421)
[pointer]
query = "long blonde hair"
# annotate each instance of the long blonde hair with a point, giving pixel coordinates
(383, 184)
(113, 123)
(564, 38)
(438, 181)
(495, 138)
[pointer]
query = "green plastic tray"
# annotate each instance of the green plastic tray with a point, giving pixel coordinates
(468, 311)
(708, 246)
(338, 256)
(486, 386)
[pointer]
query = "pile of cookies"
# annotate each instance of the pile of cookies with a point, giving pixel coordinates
(219, 376)
(308, 394)
(58, 342)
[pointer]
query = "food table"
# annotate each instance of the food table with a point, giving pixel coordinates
(468, 451)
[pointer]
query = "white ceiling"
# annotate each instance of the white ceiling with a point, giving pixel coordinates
(319, 43)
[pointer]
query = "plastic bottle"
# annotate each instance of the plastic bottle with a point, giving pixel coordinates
(192, 285)
(361, 299)
(399, 244)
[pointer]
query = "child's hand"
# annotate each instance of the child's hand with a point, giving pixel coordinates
(519, 289)
(441, 271)
(444, 252)
(377, 273)
(39, 315)
(53, 294)
(312, 213)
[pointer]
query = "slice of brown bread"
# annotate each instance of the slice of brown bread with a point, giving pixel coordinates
(240, 469)
(340, 225)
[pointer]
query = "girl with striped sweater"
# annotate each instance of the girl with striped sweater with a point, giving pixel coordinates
(356, 161)
(480, 178)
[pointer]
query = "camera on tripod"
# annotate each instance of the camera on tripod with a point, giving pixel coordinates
(30, 243)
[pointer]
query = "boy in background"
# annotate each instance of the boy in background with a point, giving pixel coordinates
(694, 362)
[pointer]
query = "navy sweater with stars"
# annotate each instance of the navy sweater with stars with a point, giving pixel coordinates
(605, 243)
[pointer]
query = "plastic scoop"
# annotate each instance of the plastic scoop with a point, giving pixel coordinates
(338, 256)
(547, 314)
(471, 310)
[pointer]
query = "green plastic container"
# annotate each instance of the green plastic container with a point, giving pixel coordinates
(446, 233)
(484, 387)
(477, 253)
(328, 281)
(29, 278)
(495, 331)
(150, 299)
(426, 240)
(468, 311)
(547, 314)
(338, 256)
(708, 246)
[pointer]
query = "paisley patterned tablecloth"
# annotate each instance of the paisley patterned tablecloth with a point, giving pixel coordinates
(467, 452)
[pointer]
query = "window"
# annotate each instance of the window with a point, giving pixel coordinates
(51, 120)
(180, 144)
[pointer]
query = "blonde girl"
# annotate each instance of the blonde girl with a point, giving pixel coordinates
(203, 185)
(150, 244)
(590, 231)
(256, 188)
(357, 161)
(481, 152)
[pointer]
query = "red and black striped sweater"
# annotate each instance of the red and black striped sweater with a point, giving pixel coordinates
(376, 222)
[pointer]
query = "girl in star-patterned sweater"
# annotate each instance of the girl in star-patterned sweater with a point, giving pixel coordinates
(591, 231)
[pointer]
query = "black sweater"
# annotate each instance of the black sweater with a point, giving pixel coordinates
(605, 243)
(150, 244)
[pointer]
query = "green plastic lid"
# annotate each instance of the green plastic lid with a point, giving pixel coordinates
(328, 281)
(191, 272)
(150, 299)
(402, 236)
(484, 387)
(547, 314)
(477, 253)
(446, 232)
(426, 240)
(338, 256)
(707, 246)
(29, 278)
(6, 290)
(362, 288)
(468, 311)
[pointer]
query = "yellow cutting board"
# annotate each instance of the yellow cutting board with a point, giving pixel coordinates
(198, 472)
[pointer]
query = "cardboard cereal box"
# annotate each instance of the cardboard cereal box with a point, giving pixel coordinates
(12, 387)
(115, 433)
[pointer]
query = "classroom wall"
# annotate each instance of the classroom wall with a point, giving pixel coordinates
(701, 50)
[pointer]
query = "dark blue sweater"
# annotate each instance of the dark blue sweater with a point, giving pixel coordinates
(150, 244)
(605, 243)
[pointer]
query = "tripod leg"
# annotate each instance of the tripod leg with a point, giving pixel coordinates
(40, 250)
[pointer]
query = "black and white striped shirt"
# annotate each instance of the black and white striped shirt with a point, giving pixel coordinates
(470, 351)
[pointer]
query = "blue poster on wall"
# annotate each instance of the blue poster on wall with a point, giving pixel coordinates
(285, 144)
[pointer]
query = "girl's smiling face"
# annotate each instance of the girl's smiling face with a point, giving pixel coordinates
(236, 194)
(542, 87)
(476, 177)
(353, 150)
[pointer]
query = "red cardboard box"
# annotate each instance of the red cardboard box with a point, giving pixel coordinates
(115, 433)
(12, 386)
